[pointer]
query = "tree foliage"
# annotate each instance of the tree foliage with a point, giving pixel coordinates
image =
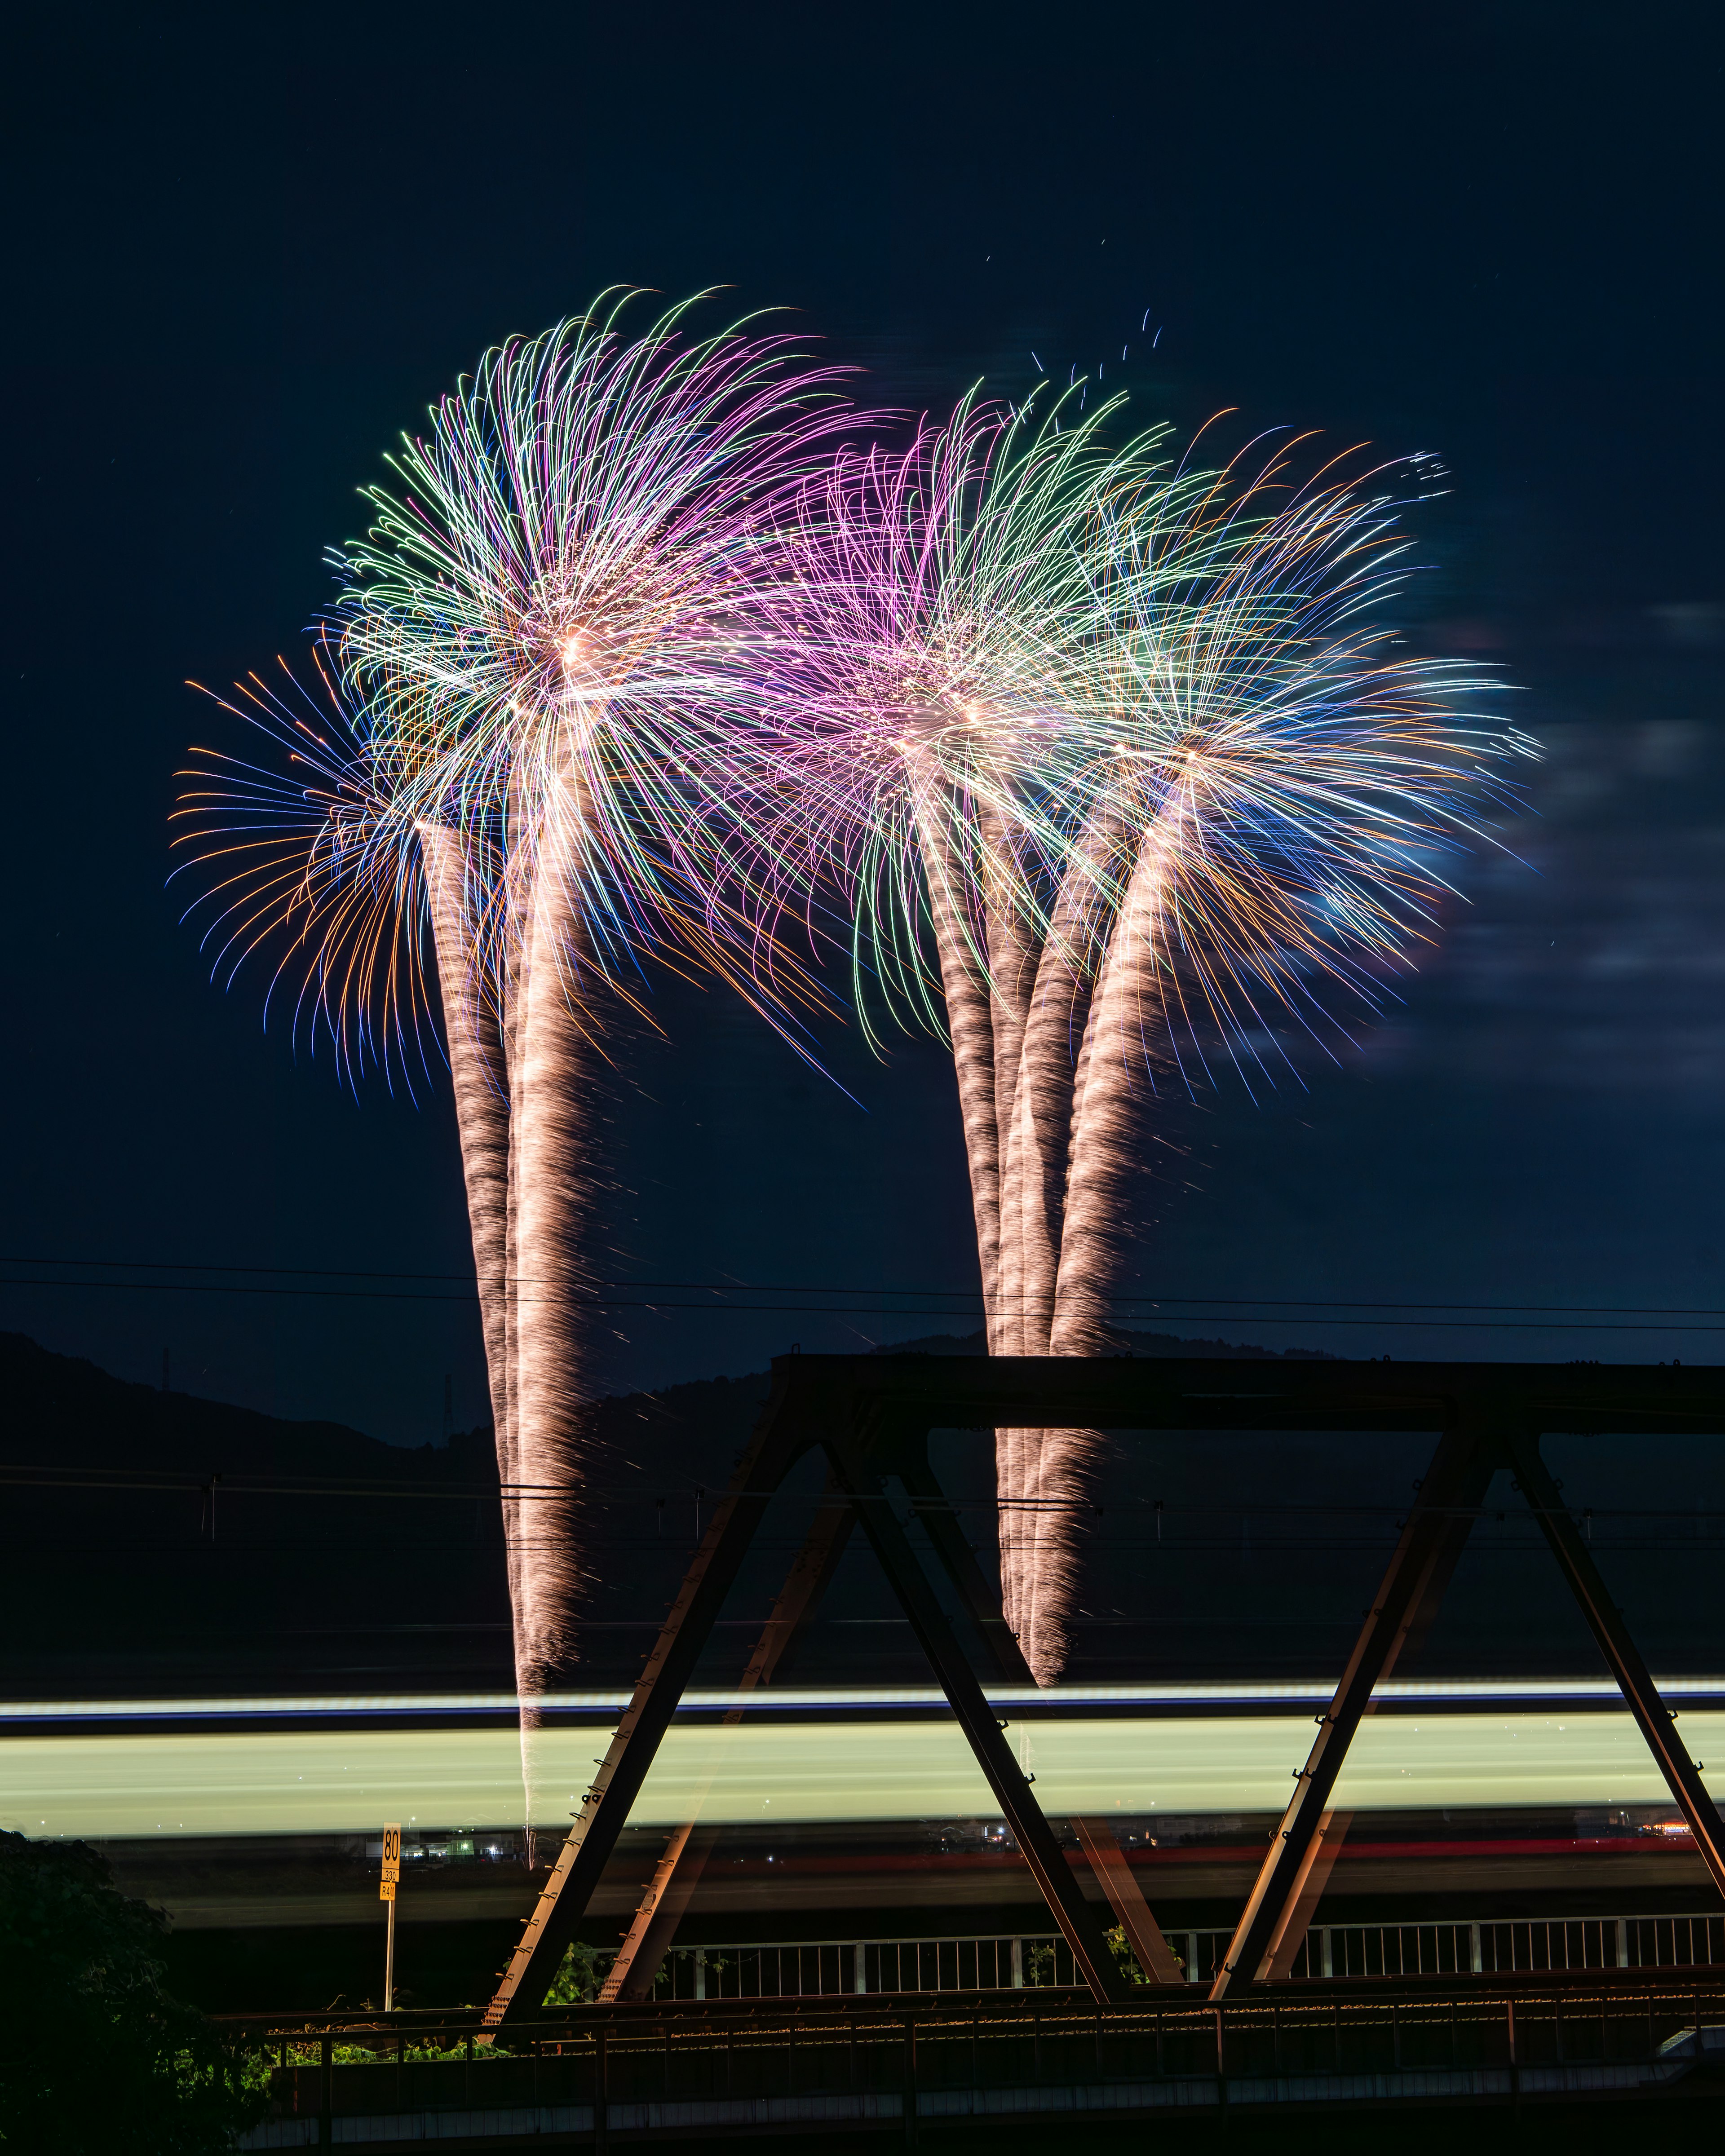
(579, 1976)
(95, 2058)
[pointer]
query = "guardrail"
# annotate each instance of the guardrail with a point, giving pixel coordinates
(686, 2072)
(831, 1968)
(1520, 1945)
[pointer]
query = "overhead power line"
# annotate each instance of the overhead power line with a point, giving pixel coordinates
(1247, 1314)
(96, 1481)
(911, 1302)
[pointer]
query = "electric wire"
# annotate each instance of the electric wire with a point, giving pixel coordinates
(801, 1287)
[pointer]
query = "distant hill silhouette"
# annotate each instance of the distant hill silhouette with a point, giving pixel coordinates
(377, 1564)
(215, 1583)
(64, 1411)
(382, 1569)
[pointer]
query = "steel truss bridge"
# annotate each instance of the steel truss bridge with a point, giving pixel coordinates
(871, 1416)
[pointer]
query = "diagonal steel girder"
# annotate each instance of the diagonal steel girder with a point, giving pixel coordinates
(1077, 1919)
(1432, 1539)
(798, 1415)
(815, 1394)
(1443, 1505)
(679, 1870)
(1657, 1724)
(780, 1438)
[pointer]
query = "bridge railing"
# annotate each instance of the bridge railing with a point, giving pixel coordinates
(645, 2070)
(831, 1968)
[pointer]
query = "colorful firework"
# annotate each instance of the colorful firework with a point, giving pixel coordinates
(641, 669)
(1123, 741)
(541, 638)
(325, 872)
(928, 631)
(1280, 799)
(923, 660)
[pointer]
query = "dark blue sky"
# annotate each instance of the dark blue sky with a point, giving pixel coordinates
(246, 249)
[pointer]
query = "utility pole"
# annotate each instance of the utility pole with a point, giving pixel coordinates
(386, 1892)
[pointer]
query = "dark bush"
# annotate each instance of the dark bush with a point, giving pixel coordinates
(95, 2058)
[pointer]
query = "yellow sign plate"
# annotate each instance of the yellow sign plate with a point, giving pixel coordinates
(392, 1855)
(386, 1891)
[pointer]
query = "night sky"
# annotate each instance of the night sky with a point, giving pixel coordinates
(248, 247)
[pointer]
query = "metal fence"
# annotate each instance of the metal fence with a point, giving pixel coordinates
(833, 1969)
(824, 2065)
(1529, 1945)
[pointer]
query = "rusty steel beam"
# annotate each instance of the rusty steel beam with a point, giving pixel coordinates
(680, 1868)
(1654, 1718)
(957, 1392)
(654, 1925)
(1010, 1784)
(678, 1871)
(1308, 1892)
(782, 1435)
(978, 1595)
(846, 1403)
(1454, 1482)
(1115, 1875)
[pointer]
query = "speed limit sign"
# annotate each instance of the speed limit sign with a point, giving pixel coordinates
(386, 1892)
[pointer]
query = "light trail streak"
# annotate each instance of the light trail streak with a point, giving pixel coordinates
(1398, 1693)
(345, 1781)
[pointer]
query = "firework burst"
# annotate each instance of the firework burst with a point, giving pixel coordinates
(1269, 805)
(1110, 762)
(923, 655)
(540, 642)
(1122, 742)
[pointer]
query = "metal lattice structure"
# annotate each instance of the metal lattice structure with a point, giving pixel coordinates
(871, 1416)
